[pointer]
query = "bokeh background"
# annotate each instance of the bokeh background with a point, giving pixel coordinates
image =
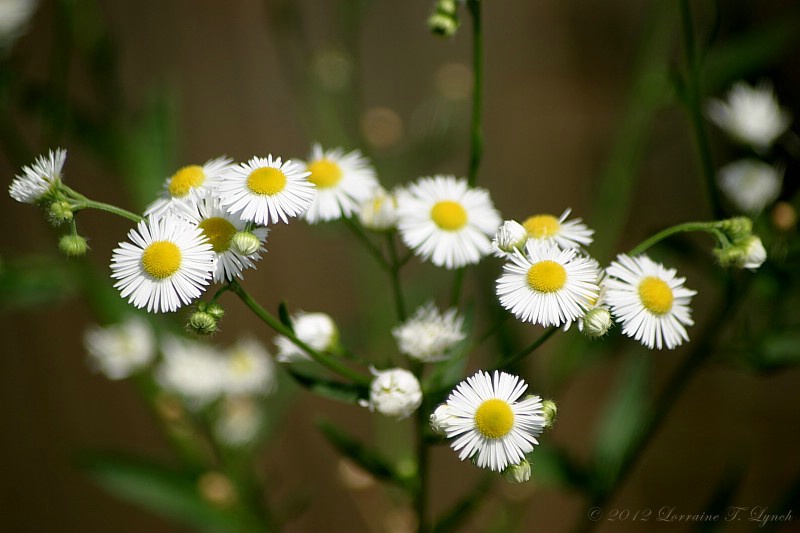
(154, 85)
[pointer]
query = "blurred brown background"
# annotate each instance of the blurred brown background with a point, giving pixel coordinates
(557, 79)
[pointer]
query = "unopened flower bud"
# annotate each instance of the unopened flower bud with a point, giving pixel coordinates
(202, 323)
(511, 236)
(439, 419)
(245, 243)
(737, 228)
(784, 217)
(444, 25)
(596, 322)
(215, 310)
(60, 212)
(550, 412)
(73, 245)
(519, 473)
(754, 253)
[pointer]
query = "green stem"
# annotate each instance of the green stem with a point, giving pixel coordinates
(82, 202)
(708, 227)
(476, 134)
(394, 273)
(421, 495)
(326, 361)
(370, 246)
(525, 352)
(458, 283)
(693, 103)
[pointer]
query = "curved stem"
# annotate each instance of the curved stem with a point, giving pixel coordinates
(525, 352)
(708, 227)
(82, 202)
(367, 243)
(476, 134)
(326, 361)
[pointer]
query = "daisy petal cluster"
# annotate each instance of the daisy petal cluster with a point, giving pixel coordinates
(445, 221)
(38, 179)
(166, 264)
(649, 300)
(343, 180)
(429, 334)
(188, 185)
(120, 350)
(488, 423)
(547, 285)
(750, 115)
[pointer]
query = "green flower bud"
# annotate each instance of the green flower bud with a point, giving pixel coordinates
(518, 473)
(215, 310)
(596, 322)
(737, 228)
(748, 253)
(60, 212)
(550, 412)
(245, 243)
(202, 323)
(73, 245)
(443, 25)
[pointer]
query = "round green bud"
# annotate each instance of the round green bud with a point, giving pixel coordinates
(60, 212)
(215, 310)
(550, 412)
(202, 323)
(245, 243)
(73, 245)
(597, 322)
(737, 228)
(444, 25)
(518, 473)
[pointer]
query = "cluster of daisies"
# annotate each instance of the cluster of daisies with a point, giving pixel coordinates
(227, 382)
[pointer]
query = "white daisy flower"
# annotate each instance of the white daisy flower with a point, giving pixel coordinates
(379, 211)
(266, 190)
(395, 392)
(119, 350)
(219, 227)
(750, 115)
(547, 285)
(193, 370)
(428, 335)
(750, 184)
(38, 179)
(487, 422)
(166, 265)
(445, 221)
(649, 301)
(238, 422)
(189, 184)
(565, 233)
(343, 182)
(318, 330)
(248, 369)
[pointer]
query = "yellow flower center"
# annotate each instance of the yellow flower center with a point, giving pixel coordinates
(161, 259)
(494, 418)
(656, 295)
(185, 180)
(324, 173)
(266, 181)
(546, 276)
(449, 215)
(541, 226)
(241, 364)
(219, 233)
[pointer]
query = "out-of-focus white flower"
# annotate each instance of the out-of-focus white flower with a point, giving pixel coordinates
(14, 17)
(318, 330)
(193, 370)
(395, 393)
(428, 335)
(118, 351)
(750, 185)
(238, 422)
(379, 212)
(750, 115)
(248, 368)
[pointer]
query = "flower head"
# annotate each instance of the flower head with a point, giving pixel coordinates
(318, 330)
(343, 182)
(167, 264)
(560, 231)
(445, 221)
(193, 370)
(547, 285)
(38, 179)
(395, 393)
(248, 369)
(750, 115)
(487, 422)
(189, 184)
(649, 300)
(750, 185)
(379, 211)
(266, 190)
(118, 351)
(428, 335)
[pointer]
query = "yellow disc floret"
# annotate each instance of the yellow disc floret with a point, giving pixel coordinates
(541, 226)
(219, 233)
(449, 215)
(546, 276)
(266, 181)
(161, 259)
(324, 173)
(656, 295)
(494, 418)
(185, 180)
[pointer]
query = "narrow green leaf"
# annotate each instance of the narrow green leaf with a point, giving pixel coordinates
(367, 459)
(283, 315)
(162, 490)
(336, 390)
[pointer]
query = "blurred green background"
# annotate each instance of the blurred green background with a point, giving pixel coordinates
(574, 92)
